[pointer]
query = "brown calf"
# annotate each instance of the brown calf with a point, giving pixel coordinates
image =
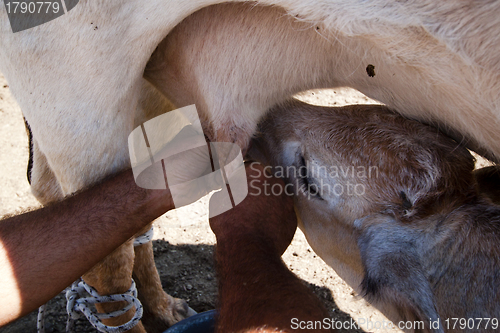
(393, 206)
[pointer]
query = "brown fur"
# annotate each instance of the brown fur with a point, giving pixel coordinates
(421, 242)
(488, 179)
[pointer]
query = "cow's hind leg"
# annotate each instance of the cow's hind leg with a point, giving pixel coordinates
(103, 150)
(160, 309)
(112, 276)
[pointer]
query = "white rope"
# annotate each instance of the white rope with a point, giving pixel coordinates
(40, 323)
(81, 297)
(144, 238)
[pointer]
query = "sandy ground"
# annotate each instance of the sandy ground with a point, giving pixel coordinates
(183, 240)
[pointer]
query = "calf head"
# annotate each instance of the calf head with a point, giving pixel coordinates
(368, 184)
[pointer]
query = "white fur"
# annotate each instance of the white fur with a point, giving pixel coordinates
(79, 87)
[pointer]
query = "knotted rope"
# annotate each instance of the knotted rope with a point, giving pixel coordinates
(79, 305)
(81, 299)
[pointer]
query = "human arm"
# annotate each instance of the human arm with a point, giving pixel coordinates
(256, 289)
(44, 251)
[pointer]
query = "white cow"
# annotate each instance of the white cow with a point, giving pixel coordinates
(79, 78)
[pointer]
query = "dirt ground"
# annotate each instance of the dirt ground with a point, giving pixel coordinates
(183, 242)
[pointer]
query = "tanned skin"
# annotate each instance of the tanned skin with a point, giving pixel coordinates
(45, 250)
(257, 292)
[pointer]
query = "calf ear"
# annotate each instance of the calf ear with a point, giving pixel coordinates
(392, 269)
